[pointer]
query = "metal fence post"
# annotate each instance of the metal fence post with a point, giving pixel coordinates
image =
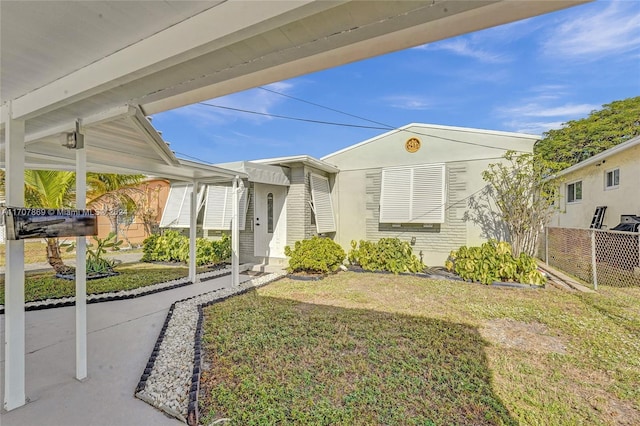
(594, 270)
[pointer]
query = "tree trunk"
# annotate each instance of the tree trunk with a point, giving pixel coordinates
(55, 259)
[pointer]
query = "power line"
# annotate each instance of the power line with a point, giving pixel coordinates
(308, 120)
(387, 127)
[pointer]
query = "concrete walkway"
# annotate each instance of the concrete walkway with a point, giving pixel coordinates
(121, 335)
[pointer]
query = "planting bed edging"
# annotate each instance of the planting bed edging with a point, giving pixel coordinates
(171, 378)
(123, 294)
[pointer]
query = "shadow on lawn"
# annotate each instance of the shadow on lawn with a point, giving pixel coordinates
(276, 360)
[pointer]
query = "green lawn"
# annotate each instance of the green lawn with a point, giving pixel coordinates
(34, 252)
(44, 285)
(383, 349)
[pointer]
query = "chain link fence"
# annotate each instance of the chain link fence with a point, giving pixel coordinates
(595, 256)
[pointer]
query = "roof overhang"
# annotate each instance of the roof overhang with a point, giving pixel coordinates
(259, 173)
(306, 160)
(596, 159)
(121, 140)
(163, 55)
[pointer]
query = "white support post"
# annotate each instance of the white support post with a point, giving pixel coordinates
(235, 233)
(14, 336)
(193, 216)
(81, 268)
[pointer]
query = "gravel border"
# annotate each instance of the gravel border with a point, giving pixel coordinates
(171, 378)
(123, 294)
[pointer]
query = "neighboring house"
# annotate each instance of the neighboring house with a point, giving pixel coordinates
(414, 183)
(152, 199)
(610, 179)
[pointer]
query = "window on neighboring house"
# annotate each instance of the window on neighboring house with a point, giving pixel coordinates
(413, 194)
(612, 179)
(574, 192)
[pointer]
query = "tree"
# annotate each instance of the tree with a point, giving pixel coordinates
(580, 139)
(114, 196)
(525, 192)
(56, 190)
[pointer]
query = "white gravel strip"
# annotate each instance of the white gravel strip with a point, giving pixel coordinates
(169, 382)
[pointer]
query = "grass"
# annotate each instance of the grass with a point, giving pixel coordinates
(36, 252)
(384, 349)
(44, 285)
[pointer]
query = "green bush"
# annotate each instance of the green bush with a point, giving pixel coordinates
(388, 254)
(494, 261)
(317, 255)
(174, 247)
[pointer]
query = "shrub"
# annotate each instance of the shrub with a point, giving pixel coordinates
(494, 261)
(388, 254)
(174, 247)
(317, 255)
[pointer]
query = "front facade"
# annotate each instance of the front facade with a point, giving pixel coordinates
(416, 184)
(609, 179)
(420, 183)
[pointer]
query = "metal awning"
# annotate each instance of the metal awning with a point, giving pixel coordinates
(260, 173)
(122, 140)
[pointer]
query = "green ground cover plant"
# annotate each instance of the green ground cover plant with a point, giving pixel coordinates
(174, 247)
(316, 256)
(387, 254)
(396, 350)
(45, 285)
(494, 261)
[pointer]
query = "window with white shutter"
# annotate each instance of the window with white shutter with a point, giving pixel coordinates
(321, 204)
(413, 194)
(178, 200)
(218, 208)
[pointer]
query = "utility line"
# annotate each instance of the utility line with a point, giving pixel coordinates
(386, 126)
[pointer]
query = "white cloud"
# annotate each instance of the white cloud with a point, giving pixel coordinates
(535, 109)
(469, 47)
(533, 127)
(596, 33)
(410, 102)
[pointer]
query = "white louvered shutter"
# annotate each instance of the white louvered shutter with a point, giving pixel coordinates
(174, 205)
(218, 209)
(215, 206)
(395, 195)
(428, 198)
(322, 205)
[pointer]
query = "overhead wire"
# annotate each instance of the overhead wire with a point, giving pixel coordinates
(387, 126)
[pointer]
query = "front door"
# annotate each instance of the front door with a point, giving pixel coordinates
(269, 220)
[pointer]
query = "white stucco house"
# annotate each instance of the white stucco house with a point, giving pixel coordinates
(414, 183)
(610, 179)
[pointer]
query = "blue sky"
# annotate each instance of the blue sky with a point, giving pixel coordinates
(528, 76)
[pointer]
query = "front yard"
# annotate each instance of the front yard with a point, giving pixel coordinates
(383, 349)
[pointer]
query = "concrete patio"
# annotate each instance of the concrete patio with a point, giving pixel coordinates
(121, 335)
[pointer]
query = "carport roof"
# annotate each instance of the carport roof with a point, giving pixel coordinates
(120, 141)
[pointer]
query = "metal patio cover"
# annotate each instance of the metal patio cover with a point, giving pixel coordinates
(65, 60)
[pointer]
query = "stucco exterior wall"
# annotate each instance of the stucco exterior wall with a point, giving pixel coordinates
(356, 192)
(621, 200)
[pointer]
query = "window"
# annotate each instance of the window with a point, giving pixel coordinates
(270, 213)
(321, 205)
(574, 192)
(177, 210)
(413, 194)
(612, 179)
(218, 208)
